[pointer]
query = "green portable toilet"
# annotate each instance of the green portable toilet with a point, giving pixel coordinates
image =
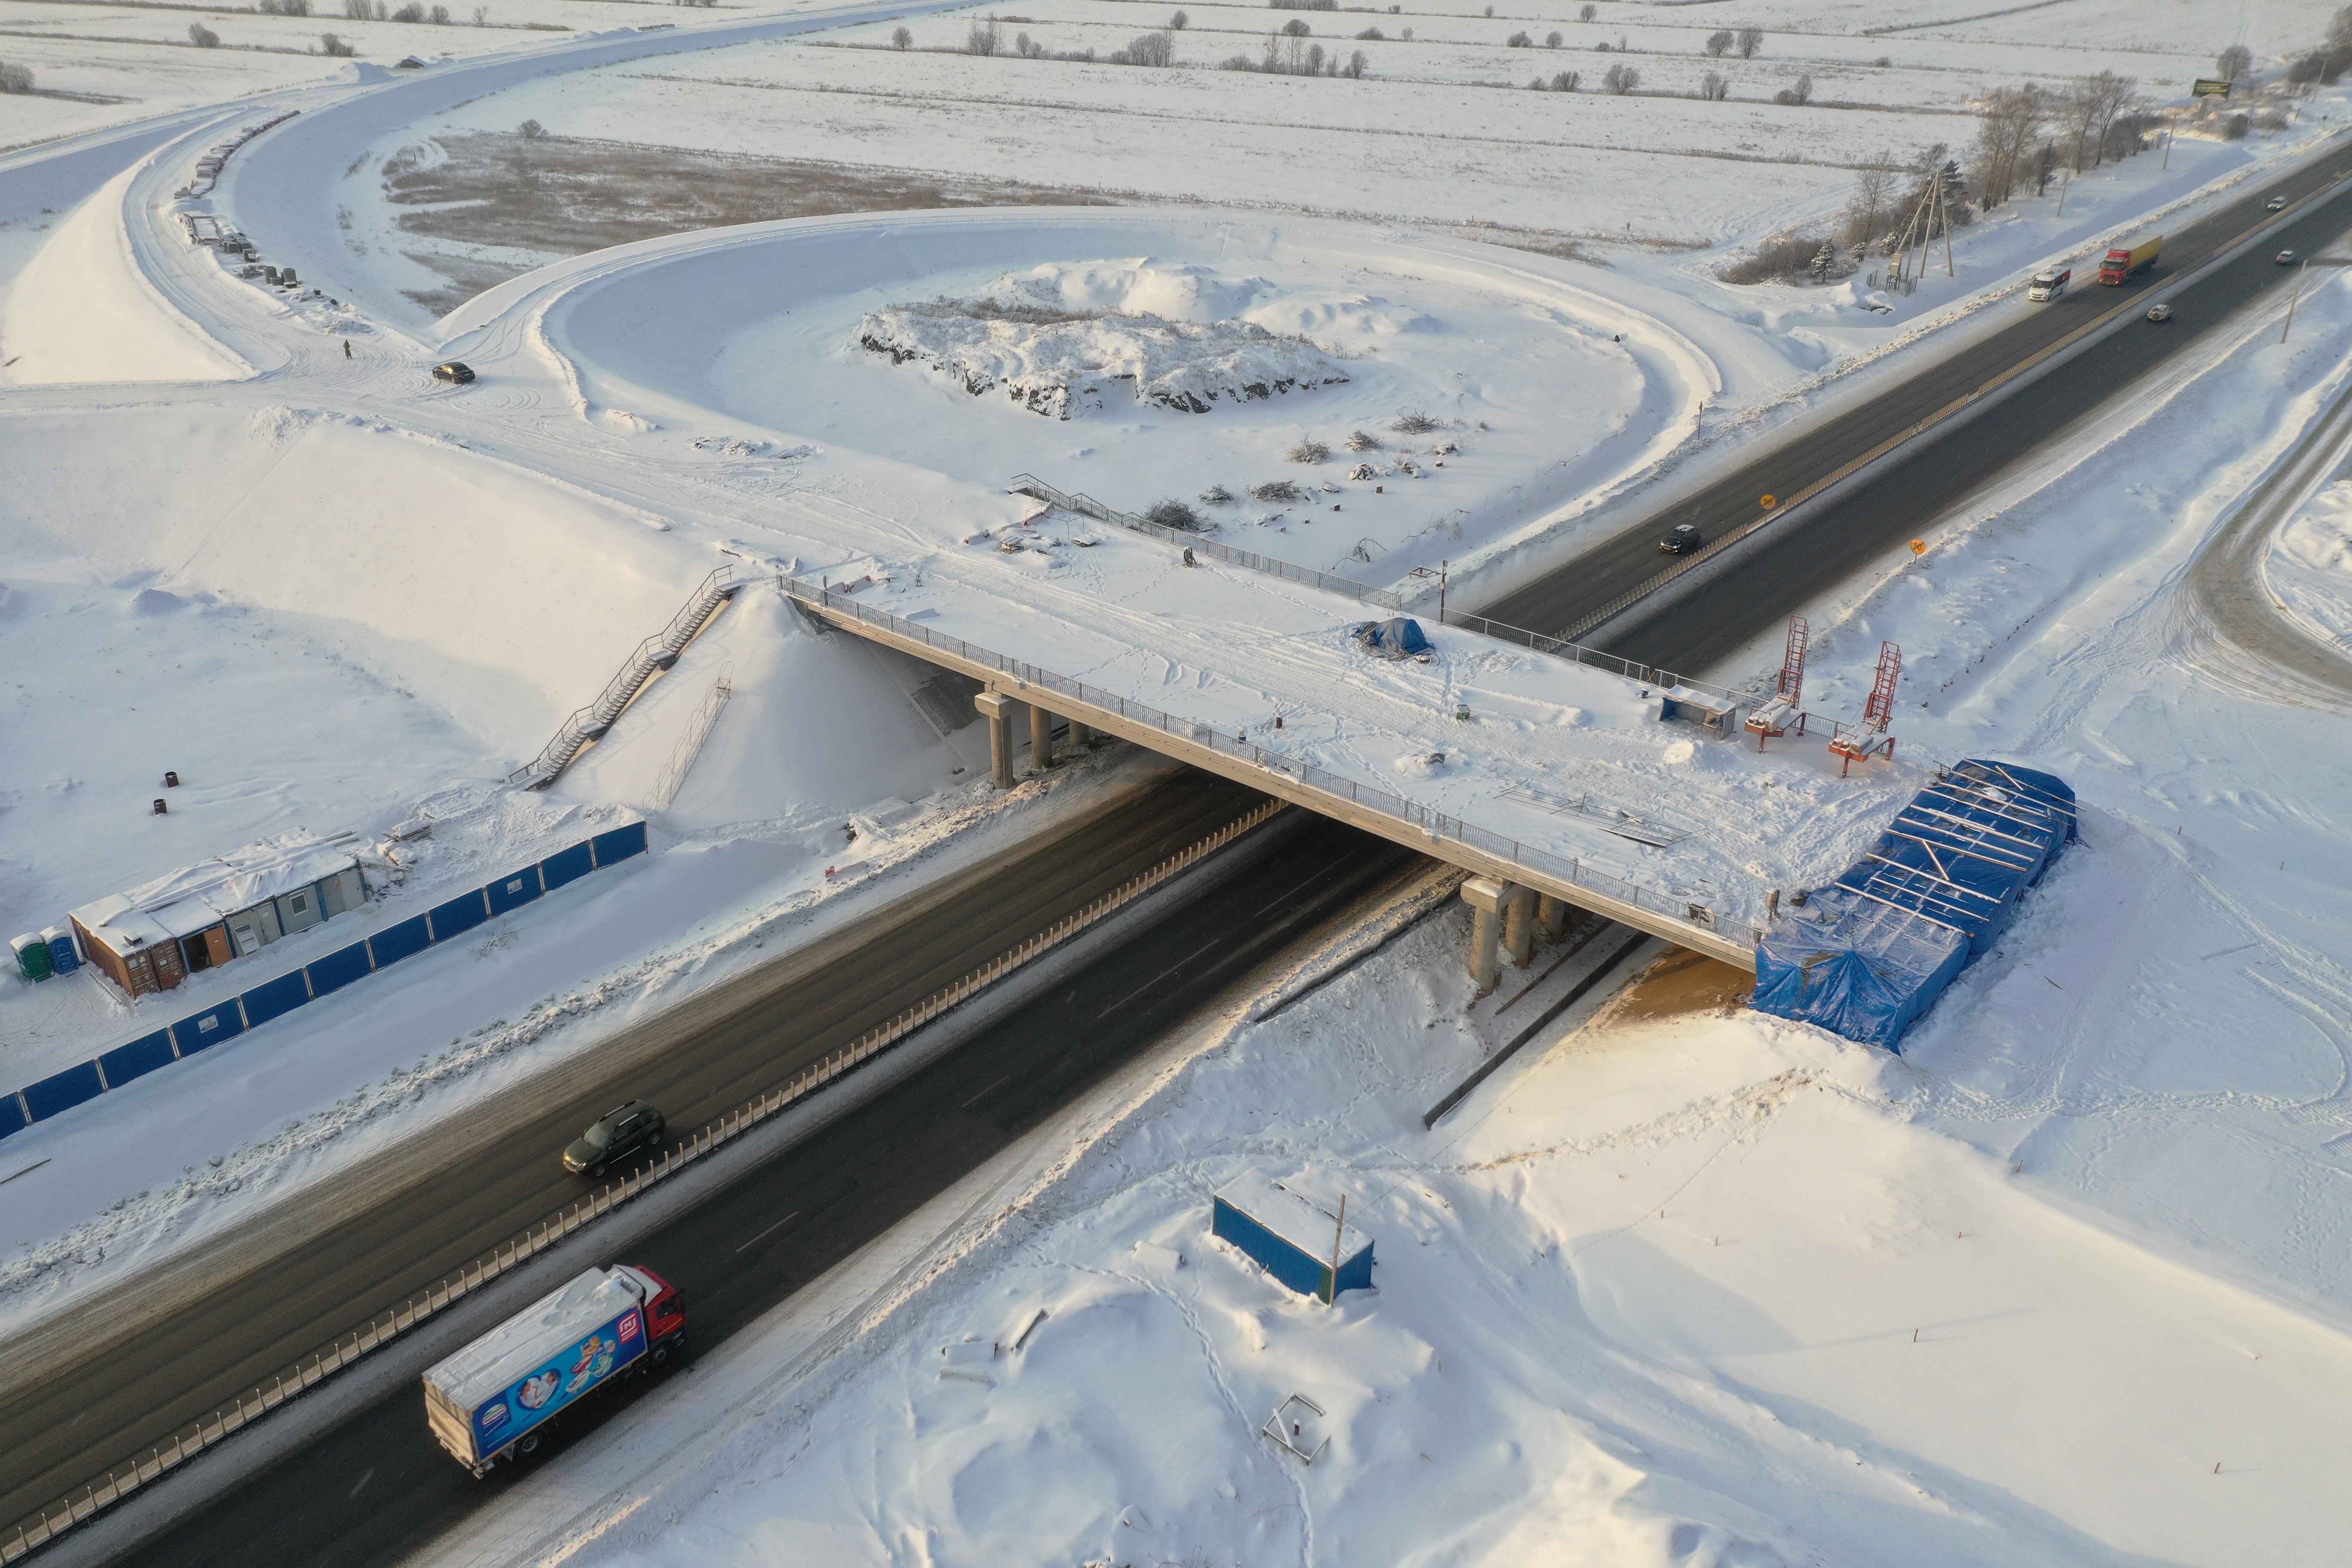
(32, 956)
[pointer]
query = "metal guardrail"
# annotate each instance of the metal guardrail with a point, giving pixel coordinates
(1249, 560)
(46, 1524)
(1436, 824)
(656, 653)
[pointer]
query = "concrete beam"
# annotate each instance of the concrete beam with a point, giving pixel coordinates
(1486, 898)
(1274, 782)
(997, 709)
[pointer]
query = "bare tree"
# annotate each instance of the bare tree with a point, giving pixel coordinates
(482, 16)
(2012, 115)
(331, 45)
(2091, 106)
(1179, 22)
(1621, 79)
(1870, 206)
(1588, 13)
(530, 131)
(1750, 40)
(985, 38)
(1714, 87)
(2233, 62)
(1520, 40)
(1150, 49)
(902, 38)
(1566, 81)
(15, 78)
(1554, 40)
(1294, 29)
(1354, 69)
(1800, 91)
(1717, 43)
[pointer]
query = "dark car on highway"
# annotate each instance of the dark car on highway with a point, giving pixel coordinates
(1683, 539)
(624, 1130)
(453, 372)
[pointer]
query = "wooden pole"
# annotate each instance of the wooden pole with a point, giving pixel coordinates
(1338, 1240)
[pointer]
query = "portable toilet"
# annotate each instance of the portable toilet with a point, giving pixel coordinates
(32, 956)
(1294, 1237)
(63, 957)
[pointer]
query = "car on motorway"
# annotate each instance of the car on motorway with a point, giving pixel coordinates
(2276, 204)
(624, 1130)
(1681, 540)
(2160, 313)
(454, 373)
(2284, 258)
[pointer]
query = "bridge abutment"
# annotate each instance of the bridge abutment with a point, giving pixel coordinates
(997, 709)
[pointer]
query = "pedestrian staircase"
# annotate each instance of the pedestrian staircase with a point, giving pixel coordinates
(653, 655)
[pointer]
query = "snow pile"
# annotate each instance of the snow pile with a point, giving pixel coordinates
(1054, 338)
(2310, 563)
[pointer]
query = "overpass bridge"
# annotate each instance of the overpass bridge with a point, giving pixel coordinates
(1544, 773)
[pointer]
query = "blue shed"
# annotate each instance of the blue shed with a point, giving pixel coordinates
(1294, 1237)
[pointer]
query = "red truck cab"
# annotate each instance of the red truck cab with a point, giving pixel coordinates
(665, 1315)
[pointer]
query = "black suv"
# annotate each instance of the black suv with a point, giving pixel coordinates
(453, 372)
(1680, 541)
(624, 1130)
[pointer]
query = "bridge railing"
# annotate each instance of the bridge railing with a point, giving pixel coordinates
(1440, 824)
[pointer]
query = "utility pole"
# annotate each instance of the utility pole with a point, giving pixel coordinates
(1943, 202)
(2168, 146)
(2068, 184)
(1441, 614)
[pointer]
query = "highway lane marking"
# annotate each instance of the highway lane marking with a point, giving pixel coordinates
(967, 1104)
(363, 1486)
(1285, 893)
(761, 1236)
(1157, 978)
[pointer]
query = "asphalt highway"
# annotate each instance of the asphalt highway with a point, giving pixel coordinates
(379, 1488)
(462, 1192)
(1825, 542)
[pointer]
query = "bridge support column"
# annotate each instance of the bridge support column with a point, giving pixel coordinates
(1485, 897)
(1518, 925)
(997, 709)
(1551, 917)
(1041, 738)
(1080, 735)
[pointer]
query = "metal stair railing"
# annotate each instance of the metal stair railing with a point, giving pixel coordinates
(656, 653)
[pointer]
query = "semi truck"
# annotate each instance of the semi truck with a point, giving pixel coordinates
(2050, 284)
(493, 1400)
(2124, 260)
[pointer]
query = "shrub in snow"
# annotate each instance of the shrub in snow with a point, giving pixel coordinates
(1621, 79)
(1217, 495)
(1179, 22)
(531, 129)
(1717, 43)
(1565, 81)
(1554, 40)
(1305, 4)
(1798, 93)
(1295, 28)
(1151, 50)
(1750, 40)
(1521, 40)
(1309, 450)
(15, 78)
(411, 12)
(1363, 441)
(1357, 61)
(1361, 471)
(1237, 63)
(285, 7)
(1279, 490)
(203, 38)
(1176, 514)
(1415, 424)
(1371, 36)
(331, 45)
(1587, 12)
(985, 38)
(902, 38)
(1714, 88)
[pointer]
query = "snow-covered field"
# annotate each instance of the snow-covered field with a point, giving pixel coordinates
(2063, 1283)
(331, 593)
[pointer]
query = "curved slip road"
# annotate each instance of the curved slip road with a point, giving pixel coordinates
(1825, 541)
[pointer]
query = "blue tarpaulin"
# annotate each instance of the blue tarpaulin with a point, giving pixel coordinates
(1399, 636)
(1869, 953)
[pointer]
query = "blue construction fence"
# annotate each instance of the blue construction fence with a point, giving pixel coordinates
(320, 977)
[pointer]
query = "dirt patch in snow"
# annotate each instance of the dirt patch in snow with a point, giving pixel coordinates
(494, 204)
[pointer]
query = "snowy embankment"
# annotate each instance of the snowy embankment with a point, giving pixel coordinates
(2062, 1284)
(2310, 566)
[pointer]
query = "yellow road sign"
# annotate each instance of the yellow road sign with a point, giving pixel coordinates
(1768, 502)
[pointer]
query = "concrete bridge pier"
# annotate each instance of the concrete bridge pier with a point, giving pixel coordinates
(1041, 738)
(1518, 925)
(1081, 736)
(997, 709)
(1551, 919)
(1486, 897)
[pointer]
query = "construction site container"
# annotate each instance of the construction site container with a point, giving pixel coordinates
(1298, 1240)
(298, 910)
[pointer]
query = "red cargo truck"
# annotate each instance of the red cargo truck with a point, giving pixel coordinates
(2124, 260)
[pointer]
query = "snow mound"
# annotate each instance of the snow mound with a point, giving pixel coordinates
(1054, 338)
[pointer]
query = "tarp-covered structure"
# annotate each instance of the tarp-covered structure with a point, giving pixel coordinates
(1868, 954)
(1399, 636)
